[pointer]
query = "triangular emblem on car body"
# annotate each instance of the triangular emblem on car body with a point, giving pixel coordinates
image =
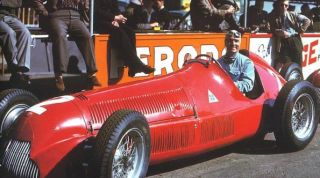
(212, 98)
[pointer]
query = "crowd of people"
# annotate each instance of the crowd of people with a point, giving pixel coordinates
(65, 17)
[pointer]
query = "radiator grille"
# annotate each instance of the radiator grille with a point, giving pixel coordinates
(217, 128)
(173, 137)
(16, 161)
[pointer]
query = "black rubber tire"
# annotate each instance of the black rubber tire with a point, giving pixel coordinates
(12, 100)
(284, 106)
(289, 68)
(109, 138)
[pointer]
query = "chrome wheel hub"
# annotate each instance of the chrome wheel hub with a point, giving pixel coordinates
(295, 75)
(303, 114)
(129, 155)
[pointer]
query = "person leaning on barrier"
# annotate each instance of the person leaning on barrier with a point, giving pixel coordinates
(64, 18)
(108, 19)
(15, 40)
(239, 67)
(286, 27)
(306, 11)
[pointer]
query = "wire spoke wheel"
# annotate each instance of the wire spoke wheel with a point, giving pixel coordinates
(129, 152)
(303, 114)
(297, 115)
(122, 148)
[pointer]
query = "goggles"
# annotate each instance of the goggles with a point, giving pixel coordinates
(233, 33)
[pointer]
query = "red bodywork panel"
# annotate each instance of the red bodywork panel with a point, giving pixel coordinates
(190, 111)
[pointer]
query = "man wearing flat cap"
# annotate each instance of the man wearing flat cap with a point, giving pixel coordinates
(287, 26)
(239, 67)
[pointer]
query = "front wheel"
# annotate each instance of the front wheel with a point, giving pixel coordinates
(13, 102)
(122, 146)
(297, 114)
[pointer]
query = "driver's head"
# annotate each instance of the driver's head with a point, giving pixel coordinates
(232, 41)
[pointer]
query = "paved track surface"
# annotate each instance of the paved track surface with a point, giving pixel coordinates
(263, 160)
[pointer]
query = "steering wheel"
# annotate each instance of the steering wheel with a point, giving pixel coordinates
(208, 56)
(201, 61)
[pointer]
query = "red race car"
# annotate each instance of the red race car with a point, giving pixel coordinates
(118, 131)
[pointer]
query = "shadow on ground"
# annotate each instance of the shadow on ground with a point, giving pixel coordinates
(263, 147)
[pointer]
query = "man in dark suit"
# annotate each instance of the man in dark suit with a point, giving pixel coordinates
(64, 18)
(108, 19)
(162, 15)
(15, 41)
(257, 18)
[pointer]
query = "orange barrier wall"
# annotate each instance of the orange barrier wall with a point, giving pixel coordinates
(164, 51)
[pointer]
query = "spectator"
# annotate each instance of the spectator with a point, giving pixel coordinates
(162, 15)
(206, 17)
(64, 18)
(15, 40)
(316, 17)
(146, 20)
(257, 18)
(306, 11)
(239, 67)
(149, 17)
(133, 12)
(108, 19)
(286, 27)
(229, 22)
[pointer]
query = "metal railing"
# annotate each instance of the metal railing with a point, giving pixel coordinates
(28, 16)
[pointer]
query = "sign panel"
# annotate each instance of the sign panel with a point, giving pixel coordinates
(261, 44)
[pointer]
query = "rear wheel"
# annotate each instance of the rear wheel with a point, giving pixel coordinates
(122, 147)
(297, 114)
(291, 71)
(13, 102)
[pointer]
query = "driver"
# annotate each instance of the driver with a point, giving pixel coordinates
(238, 66)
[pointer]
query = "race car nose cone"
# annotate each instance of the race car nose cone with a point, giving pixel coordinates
(25, 130)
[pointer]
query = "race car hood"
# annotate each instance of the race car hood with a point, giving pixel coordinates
(158, 99)
(51, 119)
(52, 130)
